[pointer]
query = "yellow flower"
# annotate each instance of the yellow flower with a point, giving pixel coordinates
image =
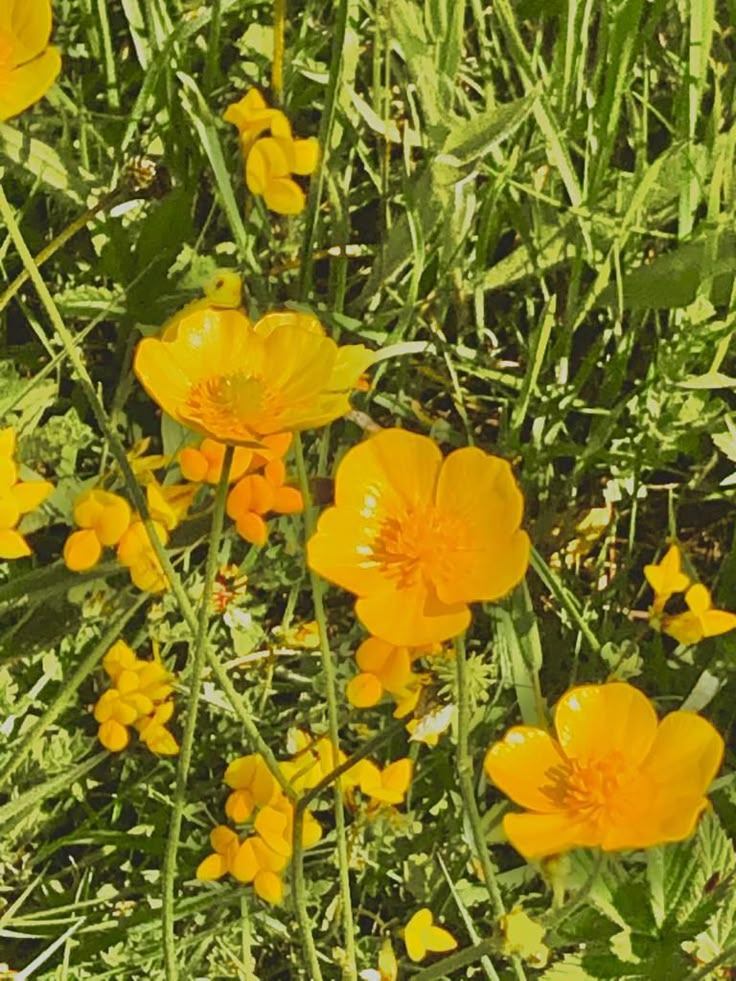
(252, 115)
(153, 732)
(255, 862)
(253, 785)
(270, 161)
(384, 667)
(701, 619)
(28, 66)
(224, 290)
(136, 553)
(417, 538)
(666, 578)
(523, 937)
(421, 936)
(17, 497)
(255, 495)
(613, 778)
(387, 786)
(203, 463)
(225, 844)
(168, 503)
(236, 383)
(104, 518)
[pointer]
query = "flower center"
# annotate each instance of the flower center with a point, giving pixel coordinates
(230, 406)
(6, 57)
(597, 789)
(418, 545)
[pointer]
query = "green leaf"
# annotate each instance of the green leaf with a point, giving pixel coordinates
(469, 139)
(43, 162)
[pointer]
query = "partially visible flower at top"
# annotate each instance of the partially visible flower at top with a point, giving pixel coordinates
(666, 577)
(270, 161)
(103, 519)
(700, 620)
(137, 554)
(422, 937)
(417, 538)
(17, 497)
(238, 383)
(388, 966)
(614, 778)
(523, 937)
(139, 697)
(28, 65)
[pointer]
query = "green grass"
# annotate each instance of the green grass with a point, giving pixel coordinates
(531, 205)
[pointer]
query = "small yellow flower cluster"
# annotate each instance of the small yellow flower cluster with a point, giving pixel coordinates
(139, 697)
(271, 161)
(262, 857)
(17, 497)
(700, 620)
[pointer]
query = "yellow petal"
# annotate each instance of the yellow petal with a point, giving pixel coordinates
(29, 24)
(222, 838)
(415, 934)
(411, 617)
(593, 721)
(269, 887)
(113, 736)
(7, 439)
(522, 765)
(440, 940)
(717, 622)
(211, 868)
(667, 578)
(364, 690)
(698, 599)
(686, 754)
(30, 494)
(12, 545)
(29, 83)
(305, 156)
(284, 196)
(539, 835)
(685, 628)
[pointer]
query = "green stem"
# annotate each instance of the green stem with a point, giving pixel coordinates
(119, 618)
(467, 790)
(136, 494)
(187, 743)
(443, 968)
(325, 138)
(351, 970)
(248, 963)
(564, 596)
(277, 66)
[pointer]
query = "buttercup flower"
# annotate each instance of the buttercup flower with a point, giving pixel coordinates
(417, 538)
(667, 577)
(701, 619)
(236, 383)
(421, 936)
(17, 497)
(28, 66)
(614, 777)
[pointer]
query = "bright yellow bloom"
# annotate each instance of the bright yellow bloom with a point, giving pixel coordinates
(384, 667)
(667, 577)
(701, 619)
(387, 786)
(253, 785)
(136, 553)
(524, 937)
(417, 538)
(422, 937)
(614, 777)
(270, 161)
(225, 844)
(257, 863)
(255, 495)
(104, 518)
(28, 66)
(237, 383)
(17, 497)
(153, 732)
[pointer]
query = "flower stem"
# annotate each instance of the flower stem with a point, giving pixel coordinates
(277, 66)
(187, 743)
(464, 957)
(351, 970)
(467, 790)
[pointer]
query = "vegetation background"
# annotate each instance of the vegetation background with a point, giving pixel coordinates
(532, 204)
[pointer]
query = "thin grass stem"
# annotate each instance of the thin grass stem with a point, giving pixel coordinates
(277, 66)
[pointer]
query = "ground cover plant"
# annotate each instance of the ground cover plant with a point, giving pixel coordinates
(367, 444)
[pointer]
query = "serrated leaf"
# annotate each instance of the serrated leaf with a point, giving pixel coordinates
(42, 162)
